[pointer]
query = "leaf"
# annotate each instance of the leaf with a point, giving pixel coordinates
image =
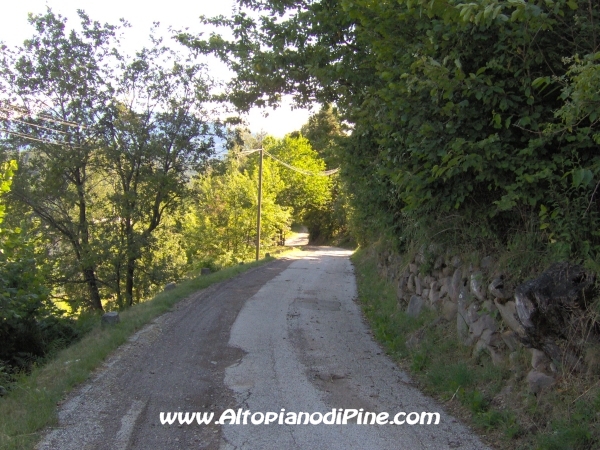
(497, 120)
(582, 177)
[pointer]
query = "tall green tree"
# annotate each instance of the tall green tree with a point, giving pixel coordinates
(221, 223)
(152, 146)
(56, 95)
(106, 145)
(303, 186)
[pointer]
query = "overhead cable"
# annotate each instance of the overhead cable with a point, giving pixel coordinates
(31, 138)
(32, 124)
(25, 111)
(325, 173)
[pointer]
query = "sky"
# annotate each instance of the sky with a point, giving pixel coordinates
(178, 14)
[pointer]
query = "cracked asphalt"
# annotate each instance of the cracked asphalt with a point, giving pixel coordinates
(284, 336)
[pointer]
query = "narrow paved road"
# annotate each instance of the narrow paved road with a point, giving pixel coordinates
(298, 239)
(285, 336)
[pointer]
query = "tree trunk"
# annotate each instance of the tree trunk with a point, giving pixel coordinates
(130, 269)
(90, 278)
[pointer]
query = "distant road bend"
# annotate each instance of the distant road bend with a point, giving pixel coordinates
(286, 335)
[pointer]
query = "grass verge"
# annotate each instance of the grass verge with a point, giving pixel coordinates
(31, 405)
(494, 400)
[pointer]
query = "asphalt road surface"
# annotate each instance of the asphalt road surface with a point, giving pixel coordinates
(285, 338)
(298, 239)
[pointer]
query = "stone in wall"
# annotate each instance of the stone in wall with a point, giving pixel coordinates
(455, 285)
(476, 285)
(462, 321)
(508, 312)
(497, 289)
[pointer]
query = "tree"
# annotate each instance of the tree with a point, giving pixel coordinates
(302, 186)
(221, 223)
(29, 326)
(152, 144)
(106, 144)
(324, 131)
(57, 96)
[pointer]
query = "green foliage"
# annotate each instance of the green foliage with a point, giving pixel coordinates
(481, 109)
(300, 191)
(324, 130)
(106, 146)
(221, 222)
(30, 325)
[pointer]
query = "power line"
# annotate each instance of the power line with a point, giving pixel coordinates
(31, 138)
(25, 111)
(33, 125)
(325, 173)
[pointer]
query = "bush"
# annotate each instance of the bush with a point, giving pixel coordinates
(31, 327)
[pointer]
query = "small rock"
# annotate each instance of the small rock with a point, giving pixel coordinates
(485, 322)
(110, 318)
(497, 357)
(434, 297)
(462, 326)
(3, 391)
(509, 316)
(539, 381)
(510, 339)
(456, 262)
(204, 271)
(415, 305)
(413, 268)
(472, 313)
(402, 282)
(476, 285)
(439, 262)
(444, 284)
(267, 255)
(480, 346)
(418, 289)
(539, 360)
(447, 271)
(455, 285)
(496, 288)
(399, 293)
(411, 283)
(170, 286)
(488, 336)
(449, 309)
(425, 293)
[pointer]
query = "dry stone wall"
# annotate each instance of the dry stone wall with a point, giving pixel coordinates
(496, 318)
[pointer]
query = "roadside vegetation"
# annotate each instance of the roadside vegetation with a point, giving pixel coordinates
(473, 388)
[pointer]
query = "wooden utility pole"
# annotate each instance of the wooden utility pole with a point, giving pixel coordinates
(260, 170)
